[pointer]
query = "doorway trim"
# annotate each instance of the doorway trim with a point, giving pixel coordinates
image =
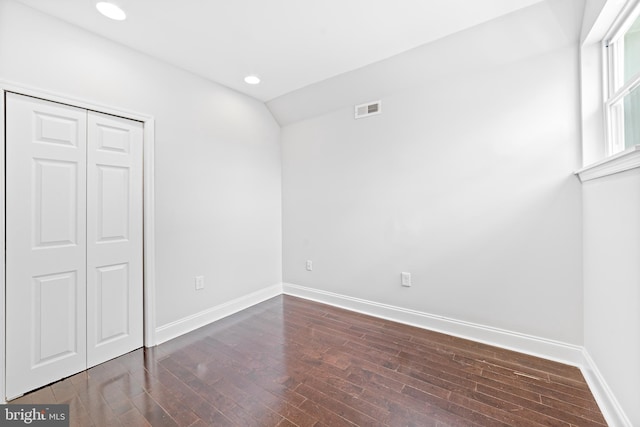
(148, 241)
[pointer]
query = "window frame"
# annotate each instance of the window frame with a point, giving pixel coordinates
(615, 89)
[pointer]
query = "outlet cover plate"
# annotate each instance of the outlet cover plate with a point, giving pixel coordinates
(405, 279)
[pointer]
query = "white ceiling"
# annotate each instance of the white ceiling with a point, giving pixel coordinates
(289, 43)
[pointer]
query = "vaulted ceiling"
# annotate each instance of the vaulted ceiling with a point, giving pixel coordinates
(290, 44)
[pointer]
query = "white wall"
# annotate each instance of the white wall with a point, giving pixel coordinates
(217, 156)
(465, 179)
(611, 243)
(612, 284)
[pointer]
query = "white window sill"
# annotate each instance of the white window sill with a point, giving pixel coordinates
(624, 161)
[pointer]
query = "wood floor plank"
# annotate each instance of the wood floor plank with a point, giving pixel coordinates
(292, 362)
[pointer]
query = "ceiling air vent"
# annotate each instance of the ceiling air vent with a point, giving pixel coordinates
(368, 109)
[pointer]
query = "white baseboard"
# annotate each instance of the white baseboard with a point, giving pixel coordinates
(611, 409)
(535, 346)
(179, 327)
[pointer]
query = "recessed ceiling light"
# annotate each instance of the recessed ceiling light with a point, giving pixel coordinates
(111, 10)
(252, 80)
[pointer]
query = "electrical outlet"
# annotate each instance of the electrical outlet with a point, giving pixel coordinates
(309, 265)
(405, 279)
(199, 283)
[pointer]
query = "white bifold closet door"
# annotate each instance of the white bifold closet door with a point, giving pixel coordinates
(114, 237)
(73, 240)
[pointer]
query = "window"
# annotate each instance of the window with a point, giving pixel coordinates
(622, 106)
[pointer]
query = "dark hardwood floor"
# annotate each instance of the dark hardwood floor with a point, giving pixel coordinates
(292, 362)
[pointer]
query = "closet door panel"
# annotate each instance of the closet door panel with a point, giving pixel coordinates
(45, 242)
(114, 237)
